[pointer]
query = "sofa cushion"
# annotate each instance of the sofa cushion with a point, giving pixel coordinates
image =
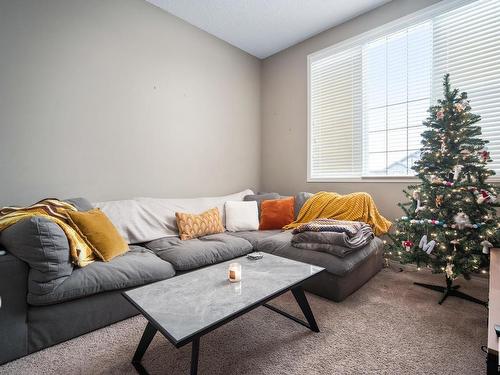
(255, 236)
(199, 252)
(81, 204)
(280, 244)
(194, 226)
(300, 199)
(99, 233)
(241, 216)
(136, 267)
(259, 197)
(276, 213)
(42, 244)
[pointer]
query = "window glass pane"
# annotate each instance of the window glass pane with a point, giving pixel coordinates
(375, 120)
(376, 141)
(396, 140)
(376, 163)
(396, 68)
(374, 68)
(396, 116)
(419, 61)
(397, 163)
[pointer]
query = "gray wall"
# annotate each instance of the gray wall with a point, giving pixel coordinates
(114, 99)
(284, 112)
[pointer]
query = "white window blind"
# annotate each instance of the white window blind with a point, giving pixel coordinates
(467, 45)
(369, 95)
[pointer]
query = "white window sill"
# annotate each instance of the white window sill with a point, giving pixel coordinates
(383, 179)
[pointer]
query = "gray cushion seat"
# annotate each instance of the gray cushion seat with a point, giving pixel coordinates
(280, 244)
(254, 236)
(136, 267)
(186, 255)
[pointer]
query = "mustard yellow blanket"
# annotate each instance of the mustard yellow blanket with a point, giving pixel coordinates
(352, 207)
(54, 210)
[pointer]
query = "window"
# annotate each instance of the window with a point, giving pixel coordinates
(368, 96)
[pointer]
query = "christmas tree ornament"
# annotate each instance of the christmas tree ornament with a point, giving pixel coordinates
(454, 243)
(461, 220)
(459, 107)
(449, 270)
(485, 156)
(436, 180)
(439, 200)
(443, 145)
(486, 246)
(418, 205)
(426, 246)
(485, 196)
(465, 153)
(456, 171)
(407, 245)
(440, 115)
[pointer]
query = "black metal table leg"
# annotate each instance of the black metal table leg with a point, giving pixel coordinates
(301, 299)
(147, 337)
(195, 350)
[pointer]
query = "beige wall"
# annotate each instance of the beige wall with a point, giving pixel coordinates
(284, 111)
(114, 99)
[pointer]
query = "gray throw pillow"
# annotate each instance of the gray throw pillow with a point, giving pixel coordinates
(81, 204)
(300, 199)
(261, 197)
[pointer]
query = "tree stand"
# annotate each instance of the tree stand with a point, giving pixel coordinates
(451, 290)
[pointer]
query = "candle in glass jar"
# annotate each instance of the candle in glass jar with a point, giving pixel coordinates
(234, 272)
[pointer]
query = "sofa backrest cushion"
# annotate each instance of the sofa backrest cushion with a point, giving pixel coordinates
(261, 196)
(141, 220)
(44, 246)
(300, 199)
(81, 204)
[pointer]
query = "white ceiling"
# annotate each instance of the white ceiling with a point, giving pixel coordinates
(264, 27)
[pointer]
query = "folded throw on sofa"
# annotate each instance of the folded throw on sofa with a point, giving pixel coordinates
(54, 210)
(331, 225)
(353, 207)
(337, 239)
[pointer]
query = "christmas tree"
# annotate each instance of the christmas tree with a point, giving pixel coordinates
(450, 221)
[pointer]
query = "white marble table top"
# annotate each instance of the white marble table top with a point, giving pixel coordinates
(187, 304)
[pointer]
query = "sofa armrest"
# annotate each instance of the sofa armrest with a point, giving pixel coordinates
(13, 309)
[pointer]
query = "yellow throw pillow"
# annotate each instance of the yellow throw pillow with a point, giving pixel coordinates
(192, 226)
(99, 233)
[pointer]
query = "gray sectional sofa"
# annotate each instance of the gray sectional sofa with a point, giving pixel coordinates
(46, 301)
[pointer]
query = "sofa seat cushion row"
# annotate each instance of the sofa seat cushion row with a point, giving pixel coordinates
(136, 267)
(199, 252)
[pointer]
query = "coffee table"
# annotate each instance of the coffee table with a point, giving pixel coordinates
(188, 306)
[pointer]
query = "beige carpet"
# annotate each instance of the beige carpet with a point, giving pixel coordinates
(389, 326)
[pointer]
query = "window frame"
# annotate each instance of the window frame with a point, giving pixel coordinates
(366, 37)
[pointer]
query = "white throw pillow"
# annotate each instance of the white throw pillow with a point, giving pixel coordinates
(241, 216)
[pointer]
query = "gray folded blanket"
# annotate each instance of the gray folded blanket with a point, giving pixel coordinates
(335, 243)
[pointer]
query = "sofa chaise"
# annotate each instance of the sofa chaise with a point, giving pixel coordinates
(45, 300)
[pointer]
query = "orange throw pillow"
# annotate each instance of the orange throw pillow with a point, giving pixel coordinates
(276, 213)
